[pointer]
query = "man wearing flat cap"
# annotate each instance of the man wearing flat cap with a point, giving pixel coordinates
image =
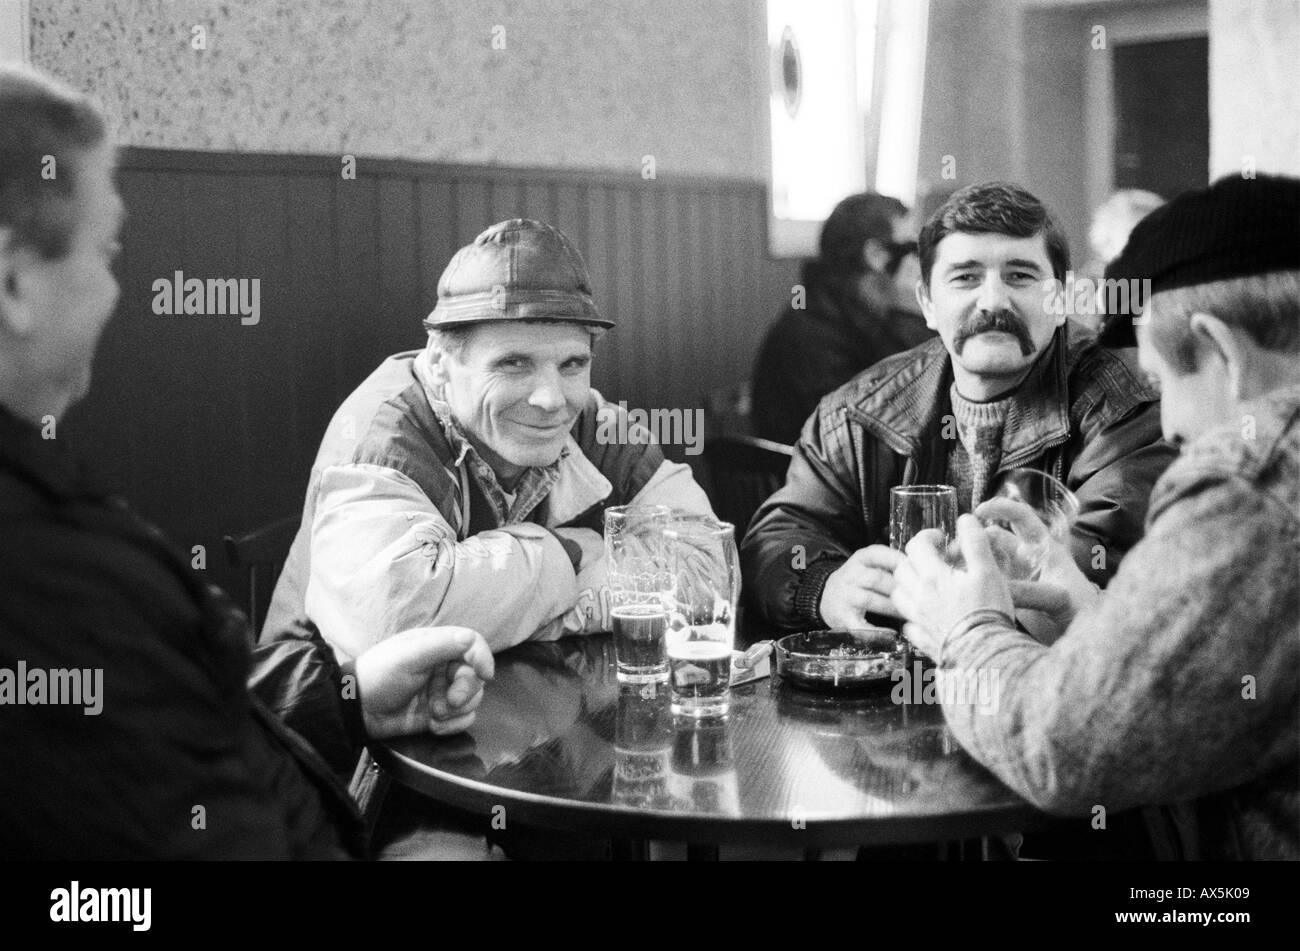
(1178, 687)
(465, 483)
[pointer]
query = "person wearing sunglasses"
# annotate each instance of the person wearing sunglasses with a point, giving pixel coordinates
(854, 306)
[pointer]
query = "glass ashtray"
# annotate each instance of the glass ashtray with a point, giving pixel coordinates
(845, 661)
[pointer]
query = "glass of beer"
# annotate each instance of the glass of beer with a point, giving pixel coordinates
(704, 570)
(915, 508)
(638, 578)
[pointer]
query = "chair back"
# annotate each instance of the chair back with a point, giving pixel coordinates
(743, 472)
(261, 554)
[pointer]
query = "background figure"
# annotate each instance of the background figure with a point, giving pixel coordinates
(855, 306)
(1112, 223)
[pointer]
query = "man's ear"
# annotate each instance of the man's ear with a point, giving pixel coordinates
(875, 255)
(17, 264)
(1218, 339)
(438, 359)
(926, 305)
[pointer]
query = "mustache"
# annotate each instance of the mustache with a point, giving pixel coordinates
(983, 321)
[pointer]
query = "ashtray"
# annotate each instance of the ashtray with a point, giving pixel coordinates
(844, 661)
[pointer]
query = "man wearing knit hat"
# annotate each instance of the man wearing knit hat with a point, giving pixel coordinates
(1004, 385)
(1179, 687)
(465, 483)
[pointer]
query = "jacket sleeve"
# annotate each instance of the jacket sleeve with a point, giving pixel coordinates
(298, 678)
(1145, 700)
(1113, 476)
(808, 528)
(383, 559)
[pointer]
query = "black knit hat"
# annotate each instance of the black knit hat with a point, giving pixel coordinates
(1237, 227)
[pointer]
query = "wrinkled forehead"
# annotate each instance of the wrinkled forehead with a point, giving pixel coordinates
(539, 340)
(990, 249)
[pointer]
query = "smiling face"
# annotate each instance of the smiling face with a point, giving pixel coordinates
(516, 389)
(986, 299)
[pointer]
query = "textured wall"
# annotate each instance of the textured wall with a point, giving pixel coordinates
(578, 85)
(1254, 85)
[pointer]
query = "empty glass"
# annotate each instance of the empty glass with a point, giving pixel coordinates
(1055, 505)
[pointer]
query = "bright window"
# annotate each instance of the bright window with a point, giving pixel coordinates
(845, 108)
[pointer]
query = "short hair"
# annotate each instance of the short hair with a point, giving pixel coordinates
(853, 222)
(40, 117)
(1265, 306)
(994, 208)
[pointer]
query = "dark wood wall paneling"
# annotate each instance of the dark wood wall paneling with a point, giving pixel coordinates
(209, 426)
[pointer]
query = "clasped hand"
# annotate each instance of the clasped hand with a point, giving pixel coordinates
(426, 679)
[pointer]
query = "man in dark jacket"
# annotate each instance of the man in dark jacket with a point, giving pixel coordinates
(853, 307)
(1006, 385)
(127, 726)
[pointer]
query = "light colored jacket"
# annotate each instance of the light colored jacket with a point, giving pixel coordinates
(397, 532)
(1181, 687)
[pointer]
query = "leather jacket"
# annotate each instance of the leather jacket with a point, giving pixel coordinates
(1082, 414)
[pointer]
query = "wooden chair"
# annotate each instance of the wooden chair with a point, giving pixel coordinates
(743, 472)
(261, 553)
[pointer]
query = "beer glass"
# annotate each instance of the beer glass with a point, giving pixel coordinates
(704, 570)
(915, 508)
(638, 577)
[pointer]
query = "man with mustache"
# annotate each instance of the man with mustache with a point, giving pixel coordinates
(466, 483)
(1006, 385)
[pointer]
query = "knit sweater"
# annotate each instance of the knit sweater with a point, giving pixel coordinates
(1182, 685)
(976, 452)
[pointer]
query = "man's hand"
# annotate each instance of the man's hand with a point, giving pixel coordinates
(1045, 606)
(863, 583)
(934, 596)
(423, 679)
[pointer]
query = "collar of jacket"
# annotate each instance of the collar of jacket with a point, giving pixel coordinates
(42, 463)
(902, 406)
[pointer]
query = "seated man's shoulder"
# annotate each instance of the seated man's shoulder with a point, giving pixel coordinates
(1105, 380)
(881, 381)
(387, 415)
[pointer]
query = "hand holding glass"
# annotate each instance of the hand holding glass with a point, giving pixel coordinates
(1055, 507)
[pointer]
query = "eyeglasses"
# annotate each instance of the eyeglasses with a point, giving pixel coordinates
(898, 251)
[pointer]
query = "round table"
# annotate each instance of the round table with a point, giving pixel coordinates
(559, 743)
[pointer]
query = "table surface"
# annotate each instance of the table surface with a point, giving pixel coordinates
(559, 743)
